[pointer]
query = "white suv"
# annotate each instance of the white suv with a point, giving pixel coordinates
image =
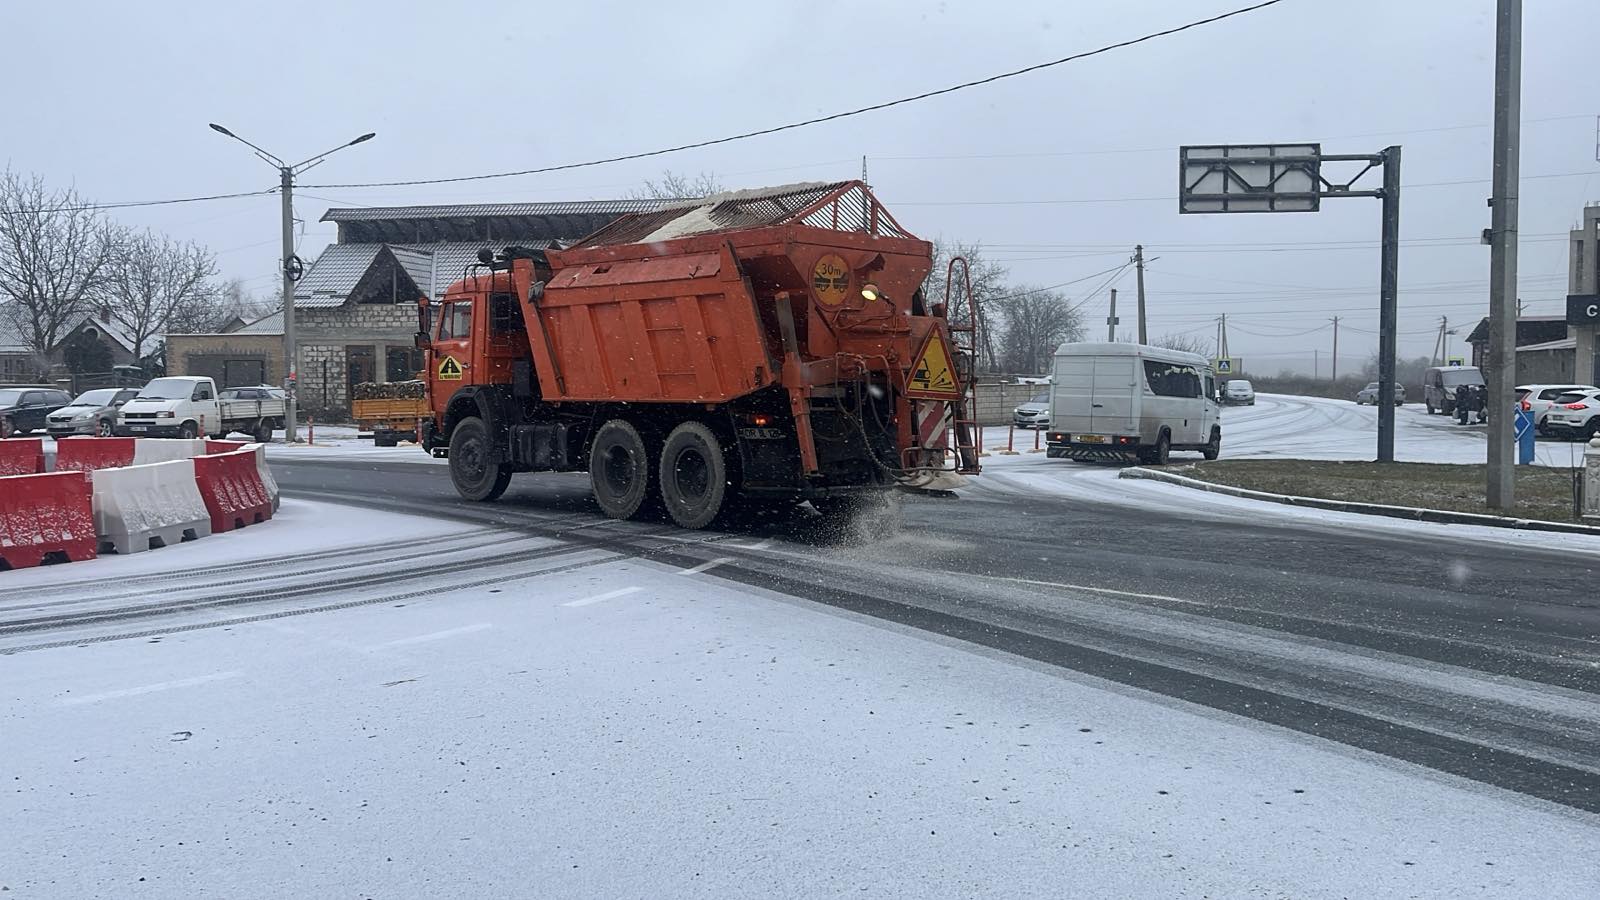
(1576, 414)
(1539, 398)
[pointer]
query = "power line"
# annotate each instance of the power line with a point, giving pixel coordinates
(128, 204)
(819, 119)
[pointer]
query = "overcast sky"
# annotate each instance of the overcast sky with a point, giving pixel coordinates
(1059, 172)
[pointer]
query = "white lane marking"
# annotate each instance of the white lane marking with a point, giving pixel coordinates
(1101, 590)
(761, 546)
(705, 566)
(149, 688)
(600, 598)
(435, 636)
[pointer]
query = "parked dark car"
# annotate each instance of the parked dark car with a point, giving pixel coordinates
(91, 412)
(23, 408)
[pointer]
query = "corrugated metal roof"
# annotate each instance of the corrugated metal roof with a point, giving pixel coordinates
(329, 280)
(335, 273)
(838, 206)
(271, 323)
(487, 210)
(11, 340)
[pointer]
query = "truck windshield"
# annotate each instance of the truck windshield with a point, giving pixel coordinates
(167, 389)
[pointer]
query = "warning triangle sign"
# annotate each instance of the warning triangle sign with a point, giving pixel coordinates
(449, 369)
(934, 376)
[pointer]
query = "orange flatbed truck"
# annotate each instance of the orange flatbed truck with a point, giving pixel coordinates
(749, 350)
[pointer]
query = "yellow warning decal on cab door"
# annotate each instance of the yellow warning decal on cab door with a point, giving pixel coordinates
(934, 376)
(449, 369)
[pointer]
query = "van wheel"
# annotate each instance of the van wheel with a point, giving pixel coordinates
(1160, 453)
(476, 475)
(188, 431)
(1214, 446)
(693, 475)
(1430, 407)
(263, 433)
(619, 465)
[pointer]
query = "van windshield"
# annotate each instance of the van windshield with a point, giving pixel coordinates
(1455, 377)
(167, 389)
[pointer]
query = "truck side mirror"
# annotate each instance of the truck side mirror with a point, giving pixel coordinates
(536, 292)
(424, 324)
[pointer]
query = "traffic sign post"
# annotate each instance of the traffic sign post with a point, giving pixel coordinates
(1272, 178)
(1455, 362)
(1522, 425)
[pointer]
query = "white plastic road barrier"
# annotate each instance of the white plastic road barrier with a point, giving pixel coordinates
(1591, 480)
(134, 505)
(159, 450)
(266, 473)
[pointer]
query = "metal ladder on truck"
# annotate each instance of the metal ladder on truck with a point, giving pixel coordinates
(964, 411)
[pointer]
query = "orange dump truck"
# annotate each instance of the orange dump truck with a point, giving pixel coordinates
(747, 350)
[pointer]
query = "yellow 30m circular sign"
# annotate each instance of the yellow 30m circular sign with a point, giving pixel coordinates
(830, 278)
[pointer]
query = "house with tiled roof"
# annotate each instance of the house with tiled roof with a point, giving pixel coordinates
(355, 306)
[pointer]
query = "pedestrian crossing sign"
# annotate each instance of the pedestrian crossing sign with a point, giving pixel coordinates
(449, 369)
(933, 377)
(1225, 365)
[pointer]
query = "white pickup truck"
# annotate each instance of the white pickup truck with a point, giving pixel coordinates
(190, 406)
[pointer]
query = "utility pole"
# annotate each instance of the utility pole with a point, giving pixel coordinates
(1388, 302)
(1316, 364)
(1502, 355)
(1111, 320)
(291, 267)
(1138, 263)
(289, 270)
(1335, 349)
(1222, 337)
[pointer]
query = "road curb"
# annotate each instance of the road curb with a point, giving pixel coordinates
(1415, 514)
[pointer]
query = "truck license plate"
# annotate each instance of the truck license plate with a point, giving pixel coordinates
(1091, 438)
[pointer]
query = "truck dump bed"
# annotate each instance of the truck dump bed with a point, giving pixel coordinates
(692, 303)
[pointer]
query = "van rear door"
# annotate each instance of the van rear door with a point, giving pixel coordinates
(1072, 394)
(1115, 395)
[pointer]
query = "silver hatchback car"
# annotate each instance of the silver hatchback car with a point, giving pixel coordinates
(1369, 394)
(91, 412)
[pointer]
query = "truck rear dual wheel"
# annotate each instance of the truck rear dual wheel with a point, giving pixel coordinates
(473, 470)
(693, 476)
(619, 466)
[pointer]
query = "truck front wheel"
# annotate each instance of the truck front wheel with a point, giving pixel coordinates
(619, 465)
(472, 469)
(694, 475)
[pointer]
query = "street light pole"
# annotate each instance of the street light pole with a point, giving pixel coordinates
(290, 268)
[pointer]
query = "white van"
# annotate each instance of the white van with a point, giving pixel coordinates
(1120, 401)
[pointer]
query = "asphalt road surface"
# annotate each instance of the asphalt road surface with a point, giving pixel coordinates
(1481, 660)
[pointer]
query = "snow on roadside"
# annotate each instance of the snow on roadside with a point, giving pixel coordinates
(299, 526)
(627, 730)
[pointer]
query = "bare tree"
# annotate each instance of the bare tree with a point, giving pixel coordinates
(54, 252)
(155, 283)
(988, 282)
(234, 299)
(1037, 321)
(674, 186)
(1184, 343)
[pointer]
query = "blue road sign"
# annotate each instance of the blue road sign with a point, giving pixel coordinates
(1522, 425)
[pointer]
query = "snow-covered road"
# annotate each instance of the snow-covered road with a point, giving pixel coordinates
(589, 724)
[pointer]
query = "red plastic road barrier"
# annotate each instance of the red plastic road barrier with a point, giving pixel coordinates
(46, 515)
(232, 489)
(85, 454)
(215, 446)
(21, 456)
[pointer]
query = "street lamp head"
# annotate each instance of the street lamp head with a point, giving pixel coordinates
(220, 130)
(365, 137)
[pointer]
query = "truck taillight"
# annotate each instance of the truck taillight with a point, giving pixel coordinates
(760, 420)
